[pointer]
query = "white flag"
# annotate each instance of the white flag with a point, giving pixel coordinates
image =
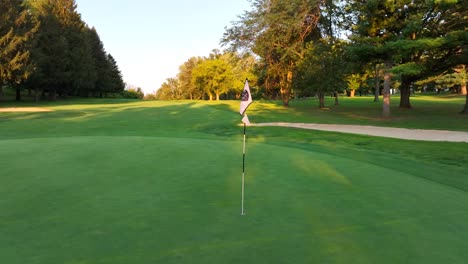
(245, 120)
(246, 98)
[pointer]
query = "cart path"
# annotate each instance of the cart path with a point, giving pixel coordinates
(390, 132)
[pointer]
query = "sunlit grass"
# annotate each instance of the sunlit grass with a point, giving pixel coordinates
(109, 181)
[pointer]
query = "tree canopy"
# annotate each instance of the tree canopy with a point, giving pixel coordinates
(276, 31)
(301, 48)
(218, 76)
(48, 48)
(286, 48)
(416, 39)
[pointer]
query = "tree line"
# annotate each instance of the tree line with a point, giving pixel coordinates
(217, 76)
(47, 49)
(303, 48)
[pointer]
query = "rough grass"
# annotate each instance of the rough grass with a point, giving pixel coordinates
(159, 182)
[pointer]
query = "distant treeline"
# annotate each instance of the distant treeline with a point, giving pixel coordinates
(218, 76)
(46, 48)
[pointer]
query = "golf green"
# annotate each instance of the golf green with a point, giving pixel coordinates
(140, 199)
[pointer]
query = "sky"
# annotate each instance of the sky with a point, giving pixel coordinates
(150, 39)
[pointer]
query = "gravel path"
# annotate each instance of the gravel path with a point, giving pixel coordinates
(400, 133)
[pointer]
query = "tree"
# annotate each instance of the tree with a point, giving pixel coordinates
(102, 64)
(62, 51)
(373, 26)
(321, 71)
(49, 52)
(214, 76)
(276, 31)
(16, 31)
(185, 79)
(243, 67)
(377, 73)
(133, 93)
(116, 83)
(70, 57)
(355, 81)
(170, 90)
(456, 81)
(81, 64)
(461, 76)
(414, 39)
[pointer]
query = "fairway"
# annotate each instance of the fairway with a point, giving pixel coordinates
(156, 182)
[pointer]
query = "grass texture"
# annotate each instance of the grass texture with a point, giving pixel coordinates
(101, 181)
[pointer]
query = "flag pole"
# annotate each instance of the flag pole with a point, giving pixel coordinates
(246, 100)
(243, 174)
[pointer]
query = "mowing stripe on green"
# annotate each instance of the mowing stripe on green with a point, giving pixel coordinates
(176, 200)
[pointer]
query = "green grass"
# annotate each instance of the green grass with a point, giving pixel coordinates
(429, 112)
(109, 181)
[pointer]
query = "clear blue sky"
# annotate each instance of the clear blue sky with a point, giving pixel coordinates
(150, 39)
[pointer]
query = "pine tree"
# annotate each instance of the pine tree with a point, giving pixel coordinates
(62, 52)
(116, 84)
(16, 31)
(101, 64)
(79, 60)
(415, 39)
(49, 52)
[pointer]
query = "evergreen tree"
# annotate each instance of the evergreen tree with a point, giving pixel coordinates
(49, 52)
(415, 39)
(80, 64)
(116, 84)
(70, 56)
(101, 64)
(16, 31)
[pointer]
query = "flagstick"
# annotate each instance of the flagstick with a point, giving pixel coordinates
(243, 174)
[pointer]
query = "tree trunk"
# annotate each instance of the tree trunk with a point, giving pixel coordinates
(52, 95)
(405, 90)
(285, 93)
(377, 84)
(386, 90)
(337, 102)
(1, 92)
(211, 96)
(217, 96)
(462, 71)
(36, 95)
(18, 94)
(321, 97)
(465, 109)
(352, 93)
